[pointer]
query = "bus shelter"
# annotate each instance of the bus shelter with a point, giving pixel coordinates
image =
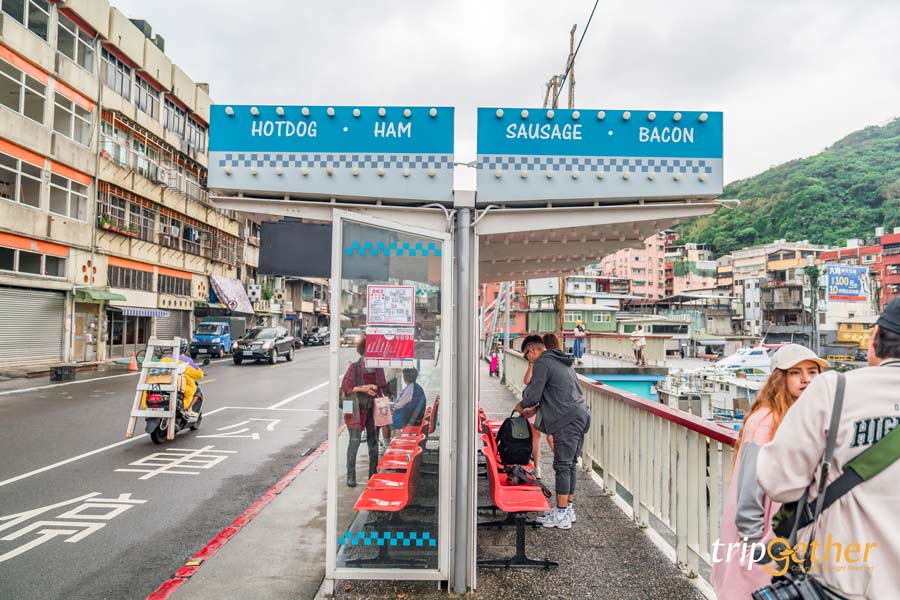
(556, 190)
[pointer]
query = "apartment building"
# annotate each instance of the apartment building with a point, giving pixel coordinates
(689, 267)
(644, 267)
(106, 232)
(881, 254)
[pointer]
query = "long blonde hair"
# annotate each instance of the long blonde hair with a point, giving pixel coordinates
(774, 396)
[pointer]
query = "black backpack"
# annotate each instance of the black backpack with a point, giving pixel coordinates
(518, 475)
(514, 441)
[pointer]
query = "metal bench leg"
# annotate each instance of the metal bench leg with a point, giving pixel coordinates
(511, 519)
(519, 560)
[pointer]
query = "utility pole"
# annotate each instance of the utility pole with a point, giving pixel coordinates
(571, 66)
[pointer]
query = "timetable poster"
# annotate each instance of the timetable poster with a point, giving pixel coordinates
(389, 347)
(393, 305)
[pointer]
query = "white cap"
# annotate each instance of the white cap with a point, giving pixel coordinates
(791, 355)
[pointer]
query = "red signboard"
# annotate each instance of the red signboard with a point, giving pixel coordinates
(389, 346)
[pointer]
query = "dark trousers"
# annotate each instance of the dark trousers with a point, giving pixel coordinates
(568, 442)
(371, 442)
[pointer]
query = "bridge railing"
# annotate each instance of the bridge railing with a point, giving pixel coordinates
(671, 467)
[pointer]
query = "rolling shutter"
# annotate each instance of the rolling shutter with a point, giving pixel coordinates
(31, 325)
(174, 325)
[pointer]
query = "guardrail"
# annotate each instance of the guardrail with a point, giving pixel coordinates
(671, 467)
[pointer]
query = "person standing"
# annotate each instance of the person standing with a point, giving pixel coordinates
(578, 344)
(554, 387)
(867, 515)
(638, 343)
(747, 513)
(360, 387)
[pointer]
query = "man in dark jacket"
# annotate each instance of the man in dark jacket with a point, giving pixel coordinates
(554, 388)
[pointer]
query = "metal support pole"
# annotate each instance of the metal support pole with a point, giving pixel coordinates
(506, 343)
(463, 399)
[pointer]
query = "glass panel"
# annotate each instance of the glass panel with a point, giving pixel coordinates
(62, 116)
(7, 259)
(39, 17)
(34, 103)
(390, 299)
(15, 9)
(65, 38)
(54, 266)
(59, 201)
(10, 86)
(30, 190)
(29, 262)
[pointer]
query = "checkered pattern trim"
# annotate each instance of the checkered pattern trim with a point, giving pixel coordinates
(337, 161)
(387, 538)
(417, 249)
(594, 164)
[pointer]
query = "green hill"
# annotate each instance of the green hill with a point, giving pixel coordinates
(845, 191)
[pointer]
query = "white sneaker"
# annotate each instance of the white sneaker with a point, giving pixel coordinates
(537, 471)
(544, 517)
(571, 510)
(558, 518)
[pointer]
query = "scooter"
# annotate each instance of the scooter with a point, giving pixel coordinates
(157, 428)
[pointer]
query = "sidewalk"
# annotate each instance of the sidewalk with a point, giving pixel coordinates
(280, 554)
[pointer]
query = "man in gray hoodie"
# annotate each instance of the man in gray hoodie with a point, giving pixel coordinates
(554, 388)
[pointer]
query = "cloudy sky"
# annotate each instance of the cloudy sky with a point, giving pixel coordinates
(790, 76)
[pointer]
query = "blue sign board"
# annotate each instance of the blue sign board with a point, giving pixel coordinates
(847, 283)
(556, 154)
(341, 151)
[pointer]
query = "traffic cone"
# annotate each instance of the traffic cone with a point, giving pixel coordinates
(132, 366)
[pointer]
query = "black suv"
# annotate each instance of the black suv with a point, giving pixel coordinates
(317, 336)
(264, 343)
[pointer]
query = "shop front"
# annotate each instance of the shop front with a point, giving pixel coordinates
(32, 325)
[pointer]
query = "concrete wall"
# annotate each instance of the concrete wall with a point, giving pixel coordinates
(183, 88)
(94, 12)
(125, 36)
(157, 64)
(16, 36)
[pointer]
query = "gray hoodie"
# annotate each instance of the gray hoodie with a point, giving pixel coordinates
(554, 386)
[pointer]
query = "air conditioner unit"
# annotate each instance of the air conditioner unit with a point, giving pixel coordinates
(254, 292)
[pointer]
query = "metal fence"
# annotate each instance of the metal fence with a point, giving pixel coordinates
(671, 467)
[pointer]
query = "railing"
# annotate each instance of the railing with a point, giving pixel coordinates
(671, 467)
(619, 346)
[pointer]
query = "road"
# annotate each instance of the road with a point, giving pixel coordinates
(115, 530)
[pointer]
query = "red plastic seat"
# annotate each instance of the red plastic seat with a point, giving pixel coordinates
(399, 460)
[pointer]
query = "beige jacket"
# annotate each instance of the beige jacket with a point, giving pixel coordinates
(868, 514)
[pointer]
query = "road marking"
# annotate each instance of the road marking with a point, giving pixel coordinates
(284, 364)
(85, 455)
(300, 395)
(311, 410)
(178, 461)
(56, 385)
(205, 381)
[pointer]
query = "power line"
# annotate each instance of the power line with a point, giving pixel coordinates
(578, 47)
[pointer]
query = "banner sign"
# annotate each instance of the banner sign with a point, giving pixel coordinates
(847, 283)
(391, 347)
(556, 154)
(340, 151)
(391, 305)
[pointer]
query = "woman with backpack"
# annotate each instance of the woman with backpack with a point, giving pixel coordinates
(747, 514)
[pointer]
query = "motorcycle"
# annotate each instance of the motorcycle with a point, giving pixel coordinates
(157, 428)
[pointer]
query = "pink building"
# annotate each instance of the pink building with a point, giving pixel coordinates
(644, 267)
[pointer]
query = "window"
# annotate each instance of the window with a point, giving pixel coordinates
(72, 41)
(868, 259)
(177, 286)
(196, 135)
(71, 120)
(21, 92)
(130, 279)
(143, 220)
(33, 14)
(113, 144)
(571, 317)
(146, 97)
(32, 263)
(117, 75)
(174, 118)
(146, 159)
(68, 198)
(601, 317)
(170, 228)
(20, 181)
